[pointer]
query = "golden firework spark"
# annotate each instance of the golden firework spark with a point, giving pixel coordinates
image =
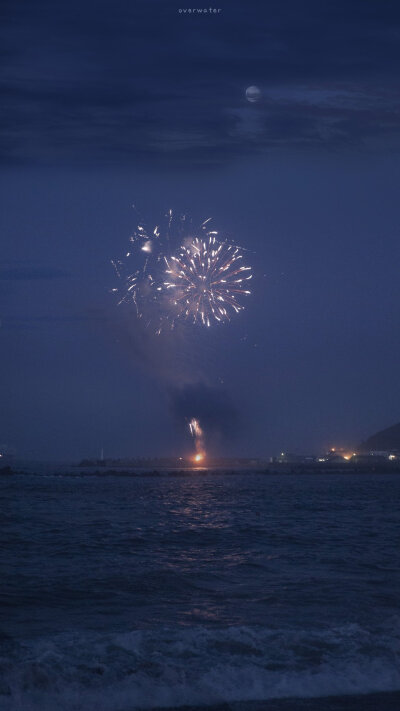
(208, 280)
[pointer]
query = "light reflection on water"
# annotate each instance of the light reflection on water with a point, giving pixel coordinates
(248, 549)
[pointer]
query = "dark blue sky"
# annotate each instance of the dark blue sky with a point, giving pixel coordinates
(108, 104)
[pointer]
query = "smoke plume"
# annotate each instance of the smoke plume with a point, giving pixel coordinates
(212, 407)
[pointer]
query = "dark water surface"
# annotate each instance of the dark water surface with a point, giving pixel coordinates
(234, 591)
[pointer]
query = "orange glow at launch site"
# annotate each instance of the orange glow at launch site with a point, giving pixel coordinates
(199, 457)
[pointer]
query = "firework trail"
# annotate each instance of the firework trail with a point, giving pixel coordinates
(174, 271)
(197, 434)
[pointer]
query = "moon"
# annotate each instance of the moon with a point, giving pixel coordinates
(253, 94)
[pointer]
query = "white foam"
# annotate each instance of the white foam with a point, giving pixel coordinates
(198, 666)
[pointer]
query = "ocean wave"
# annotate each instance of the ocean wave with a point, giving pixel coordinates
(196, 666)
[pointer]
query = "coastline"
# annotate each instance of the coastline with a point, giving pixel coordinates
(77, 470)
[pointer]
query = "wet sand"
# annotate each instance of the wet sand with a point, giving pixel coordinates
(386, 701)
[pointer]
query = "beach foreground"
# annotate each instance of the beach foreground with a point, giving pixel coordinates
(358, 702)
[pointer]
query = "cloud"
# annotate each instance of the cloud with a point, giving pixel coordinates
(144, 84)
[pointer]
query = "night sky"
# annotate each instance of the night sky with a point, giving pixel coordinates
(105, 105)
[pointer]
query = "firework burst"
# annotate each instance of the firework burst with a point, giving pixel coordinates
(208, 280)
(138, 272)
(174, 271)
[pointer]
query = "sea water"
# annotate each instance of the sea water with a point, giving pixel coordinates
(121, 592)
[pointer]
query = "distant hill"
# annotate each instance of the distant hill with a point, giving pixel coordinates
(384, 440)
